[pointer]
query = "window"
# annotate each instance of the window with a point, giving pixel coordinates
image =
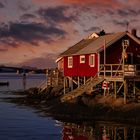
(82, 59)
(92, 60)
(70, 62)
(125, 43)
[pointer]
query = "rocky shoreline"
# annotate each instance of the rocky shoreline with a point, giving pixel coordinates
(83, 108)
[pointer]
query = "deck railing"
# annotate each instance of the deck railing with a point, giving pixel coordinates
(119, 70)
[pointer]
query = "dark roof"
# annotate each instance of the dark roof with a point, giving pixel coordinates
(80, 45)
(94, 45)
(98, 44)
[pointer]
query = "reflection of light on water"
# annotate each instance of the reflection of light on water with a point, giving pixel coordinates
(100, 131)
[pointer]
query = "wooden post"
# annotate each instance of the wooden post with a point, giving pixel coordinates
(47, 77)
(66, 82)
(84, 80)
(104, 56)
(57, 77)
(115, 133)
(123, 60)
(91, 88)
(24, 81)
(115, 89)
(64, 86)
(125, 91)
(134, 88)
(78, 82)
(134, 133)
(111, 71)
(125, 133)
(71, 84)
(104, 92)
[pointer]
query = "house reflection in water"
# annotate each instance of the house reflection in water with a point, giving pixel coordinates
(100, 131)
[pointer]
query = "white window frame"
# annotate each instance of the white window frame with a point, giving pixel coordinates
(92, 62)
(125, 43)
(70, 62)
(81, 57)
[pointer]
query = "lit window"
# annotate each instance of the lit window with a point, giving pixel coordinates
(82, 59)
(92, 60)
(125, 43)
(70, 62)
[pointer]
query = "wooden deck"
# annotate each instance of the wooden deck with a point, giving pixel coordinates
(115, 73)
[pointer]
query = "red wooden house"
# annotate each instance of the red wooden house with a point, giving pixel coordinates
(84, 58)
(108, 55)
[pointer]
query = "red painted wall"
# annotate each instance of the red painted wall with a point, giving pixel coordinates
(114, 52)
(80, 69)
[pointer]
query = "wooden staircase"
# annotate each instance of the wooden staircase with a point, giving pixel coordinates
(87, 87)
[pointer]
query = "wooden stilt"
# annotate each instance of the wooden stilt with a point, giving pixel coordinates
(90, 84)
(78, 81)
(84, 80)
(104, 92)
(125, 133)
(71, 84)
(125, 91)
(115, 133)
(134, 134)
(64, 85)
(66, 82)
(134, 88)
(115, 89)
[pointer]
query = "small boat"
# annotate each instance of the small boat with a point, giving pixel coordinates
(4, 83)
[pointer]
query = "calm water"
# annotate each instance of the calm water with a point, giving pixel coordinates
(24, 123)
(21, 123)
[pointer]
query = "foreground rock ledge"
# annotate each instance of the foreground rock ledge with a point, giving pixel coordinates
(83, 108)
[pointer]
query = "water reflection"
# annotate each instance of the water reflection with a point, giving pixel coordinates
(93, 130)
(100, 131)
(44, 128)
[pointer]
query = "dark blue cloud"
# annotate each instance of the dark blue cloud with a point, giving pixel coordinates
(56, 14)
(27, 16)
(1, 5)
(29, 32)
(121, 23)
(128, 12)
(41, 61)
(93, 29)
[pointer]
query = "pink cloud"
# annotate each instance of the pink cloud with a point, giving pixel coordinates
(109, 3)
(40, 1)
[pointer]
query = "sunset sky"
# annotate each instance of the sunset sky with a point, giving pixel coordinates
(35, 32)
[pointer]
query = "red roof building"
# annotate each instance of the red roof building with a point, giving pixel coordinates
(85, 57)
(110, 58)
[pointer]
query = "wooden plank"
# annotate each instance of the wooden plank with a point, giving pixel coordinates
(84, 88)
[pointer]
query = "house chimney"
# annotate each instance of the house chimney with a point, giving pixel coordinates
(134, 32)
(102, 33)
